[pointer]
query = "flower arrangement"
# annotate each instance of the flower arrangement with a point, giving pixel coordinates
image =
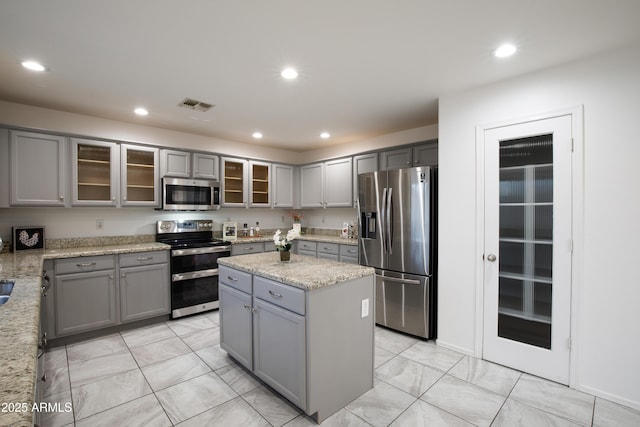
(297, 216)
(284, 243)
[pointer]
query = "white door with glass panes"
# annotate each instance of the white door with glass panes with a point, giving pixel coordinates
(528, 246)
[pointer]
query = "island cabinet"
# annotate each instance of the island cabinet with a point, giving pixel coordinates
(303, 327)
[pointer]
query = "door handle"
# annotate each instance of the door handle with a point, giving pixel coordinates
(491, 257)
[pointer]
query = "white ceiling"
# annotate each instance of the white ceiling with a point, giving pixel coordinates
(367, 67)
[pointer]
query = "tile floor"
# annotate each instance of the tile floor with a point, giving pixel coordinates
(175, 373)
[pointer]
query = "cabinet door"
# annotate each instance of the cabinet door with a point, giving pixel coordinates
(236, 324)
(311, 181)
(139, 175)
(144, 292)
(85, 301)
(259, 184)
(175, 163)
(282, 186)
(425, 155)
(95, 172)
(234, 182)
(37, 169)
(362, 164)
(247, 248)
(4, 168)
(206, 166)
(279, 350)
(337, 183)
(396, 159)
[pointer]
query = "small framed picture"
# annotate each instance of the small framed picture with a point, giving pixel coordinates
(27, 237)
(229, 231)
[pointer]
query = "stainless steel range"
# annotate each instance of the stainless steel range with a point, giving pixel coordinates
(194, 264)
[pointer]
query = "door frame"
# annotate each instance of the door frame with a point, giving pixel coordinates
(577, 223)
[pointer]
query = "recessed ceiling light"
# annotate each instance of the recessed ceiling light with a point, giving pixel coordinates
(141, 111)
(289, 73)
(505, 50)
(33, 66)
(257, 135)
(325, 135)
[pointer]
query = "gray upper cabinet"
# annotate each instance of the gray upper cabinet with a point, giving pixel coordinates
(282, 186)
(139, 175)
(396, 159)
(323, 184)
(95, 172)
(425, 155)
(362, 164)
(184, 164)
(311, 180)
(4, 168)
(37, 169)
(206, 166)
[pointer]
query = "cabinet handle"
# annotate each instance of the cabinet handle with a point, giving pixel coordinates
(86, 264)
(123, 275)
(233, 279)
(111, 277)
(274, 294)
(248, 249)
(246, 306)
(146, 258)
(352, 251)
(44, 377)
(62, 198)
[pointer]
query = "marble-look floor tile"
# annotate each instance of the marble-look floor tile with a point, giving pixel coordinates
(214, 316)
(382, 356)
(474, 404)
(142, 412)
(98, 396)
(57, 380)
(422, 414)
(201, 339)
(342, 418)
(159, 351)
(409, 376)
(432, 355)
(214, 356)
(87, 371)
(273, 408)
(514, 413)
(238, 378)
(103, 346)
(486, 374)
(381, 405)
(55, 358)
(189, 325)
(189, 398)
(607, 413)
(173, 371)
(235, 412)
(63, 415)
(554, 398)
(147, 335)
(393, 341)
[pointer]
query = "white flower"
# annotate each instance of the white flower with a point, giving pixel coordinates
(284, 243)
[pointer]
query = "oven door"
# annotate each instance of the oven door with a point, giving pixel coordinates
(194, 279)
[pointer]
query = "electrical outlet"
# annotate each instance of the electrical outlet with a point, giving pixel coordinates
(99, 224)
(364, 309)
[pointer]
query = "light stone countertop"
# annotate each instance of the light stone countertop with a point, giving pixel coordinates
(20, 316)
(311, 237)
(302, 271)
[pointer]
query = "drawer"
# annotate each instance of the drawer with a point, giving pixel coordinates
(348, 259)
(304, 245)
(307, 253)
(236, 279)
(284, 296)
(328, 248)
(247, 248)
(84, 264)
(269, 246)
(143, 258)
(333, 257)
(349, 251)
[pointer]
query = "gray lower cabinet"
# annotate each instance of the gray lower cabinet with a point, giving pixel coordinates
(328, 251)
(306, 247)
(349, 254)
(85, 301)
(237, 318)
(247, 248)
(144, 292)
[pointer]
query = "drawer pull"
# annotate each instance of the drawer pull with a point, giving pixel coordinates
(246, 306)
(146, 258)
(233, 279)
(352, 251)
(274, 294)
(86, 264)
(248, 249)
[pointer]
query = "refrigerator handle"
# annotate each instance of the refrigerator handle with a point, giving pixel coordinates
(383, 221)
(389, 220)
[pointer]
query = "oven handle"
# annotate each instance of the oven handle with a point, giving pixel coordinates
(198, 251)
(194, 275)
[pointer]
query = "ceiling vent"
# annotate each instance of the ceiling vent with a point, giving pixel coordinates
(194, 104)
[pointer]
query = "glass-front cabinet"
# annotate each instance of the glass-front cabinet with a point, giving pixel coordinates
(96, 165)
(139, 175)
(259, 184)
(234, 182)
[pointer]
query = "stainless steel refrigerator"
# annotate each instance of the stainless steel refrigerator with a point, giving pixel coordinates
(398, 225)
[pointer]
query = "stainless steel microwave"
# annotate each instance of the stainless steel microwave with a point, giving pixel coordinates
(183, 194)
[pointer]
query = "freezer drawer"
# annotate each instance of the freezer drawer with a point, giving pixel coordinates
(404, 302)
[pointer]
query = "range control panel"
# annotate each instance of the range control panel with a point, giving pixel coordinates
(184, 226)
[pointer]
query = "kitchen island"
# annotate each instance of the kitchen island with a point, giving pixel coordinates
(305, 327)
